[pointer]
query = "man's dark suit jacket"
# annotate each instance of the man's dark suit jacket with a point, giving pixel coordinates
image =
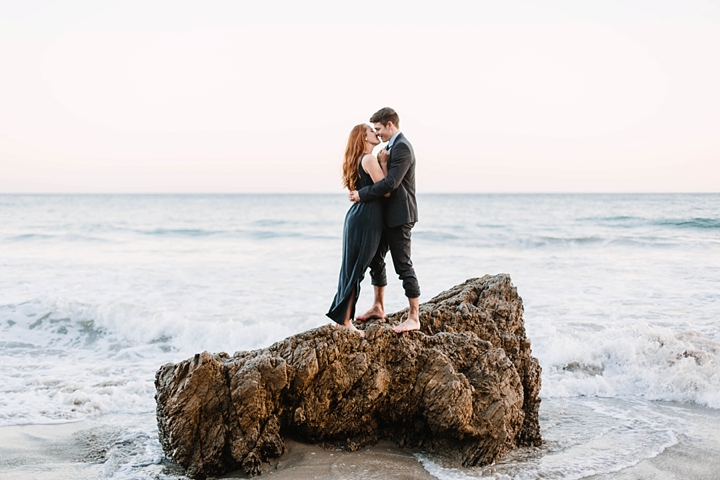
(401, 206)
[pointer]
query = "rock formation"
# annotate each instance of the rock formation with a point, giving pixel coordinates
(465, 386)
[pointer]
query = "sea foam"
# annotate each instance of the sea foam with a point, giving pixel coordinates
(640, 360)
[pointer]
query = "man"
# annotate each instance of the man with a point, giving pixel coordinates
(400, 217)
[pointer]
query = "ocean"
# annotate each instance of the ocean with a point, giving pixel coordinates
(621, 296)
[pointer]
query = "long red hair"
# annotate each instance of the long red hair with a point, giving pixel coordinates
(357, 142)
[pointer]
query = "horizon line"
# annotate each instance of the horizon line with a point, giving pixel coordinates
(344, 193)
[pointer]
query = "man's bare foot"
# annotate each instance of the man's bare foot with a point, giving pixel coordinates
(408, 325)
(375, 312)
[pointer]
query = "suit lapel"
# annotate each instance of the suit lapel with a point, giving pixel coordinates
(397, 139)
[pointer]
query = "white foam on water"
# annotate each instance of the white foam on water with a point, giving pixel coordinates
(63, 360)
(637, 360)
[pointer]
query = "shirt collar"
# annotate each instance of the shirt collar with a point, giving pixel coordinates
(392, 140)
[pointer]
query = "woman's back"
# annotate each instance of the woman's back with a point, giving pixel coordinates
(365, 179)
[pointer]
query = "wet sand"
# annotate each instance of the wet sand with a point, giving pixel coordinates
(688, 460)
(75, 450)
(43, 451)
(381, 461)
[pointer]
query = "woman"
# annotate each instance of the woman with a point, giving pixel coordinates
(363, 223)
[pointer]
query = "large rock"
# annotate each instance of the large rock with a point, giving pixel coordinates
(465, 387)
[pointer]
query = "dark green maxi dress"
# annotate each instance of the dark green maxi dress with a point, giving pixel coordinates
(361, 237)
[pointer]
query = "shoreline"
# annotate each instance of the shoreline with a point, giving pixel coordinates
(126, 446)
(688, 459)
(45, 451)
(80, 450)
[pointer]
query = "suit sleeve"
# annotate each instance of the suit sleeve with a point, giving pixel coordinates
(399, 167)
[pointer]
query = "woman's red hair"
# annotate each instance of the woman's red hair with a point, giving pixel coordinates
(353, 156)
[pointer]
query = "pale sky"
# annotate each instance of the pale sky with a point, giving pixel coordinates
(238, 96)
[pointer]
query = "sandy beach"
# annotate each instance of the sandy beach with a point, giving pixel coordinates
(88, 450)
(690, 459)
(79, 450)
(43, 451)
(380, 461)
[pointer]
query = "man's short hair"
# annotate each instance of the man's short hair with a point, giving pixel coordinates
(385, 115)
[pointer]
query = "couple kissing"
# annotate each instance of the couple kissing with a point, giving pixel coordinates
(381, 217)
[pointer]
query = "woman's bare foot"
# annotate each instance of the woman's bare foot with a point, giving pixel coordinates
(376, 312)
(408, 325)
(352, 328)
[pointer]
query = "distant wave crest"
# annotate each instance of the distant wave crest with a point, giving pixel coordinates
(702, 223)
